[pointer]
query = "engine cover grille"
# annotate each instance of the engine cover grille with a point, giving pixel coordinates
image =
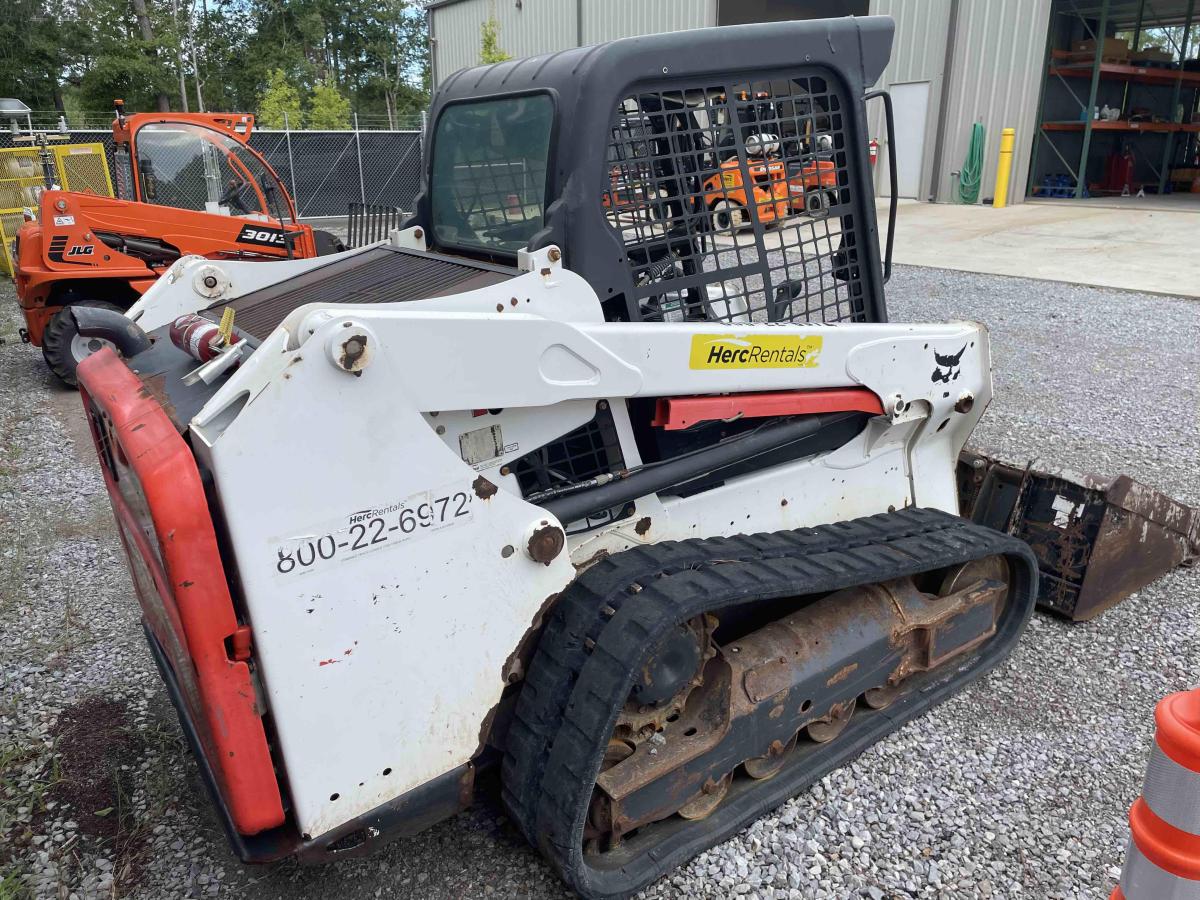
(379, 275)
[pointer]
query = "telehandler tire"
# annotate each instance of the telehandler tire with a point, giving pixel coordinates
(62, 346)
(327, 242)
(817, 203)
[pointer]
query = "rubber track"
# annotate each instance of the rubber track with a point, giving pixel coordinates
(595, 640)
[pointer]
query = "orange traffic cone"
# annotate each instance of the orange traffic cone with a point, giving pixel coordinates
(1162, 861)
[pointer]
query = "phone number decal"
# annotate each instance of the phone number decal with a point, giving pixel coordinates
(365, 531)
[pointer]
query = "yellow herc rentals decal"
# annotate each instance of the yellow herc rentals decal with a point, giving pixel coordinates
(758, 351)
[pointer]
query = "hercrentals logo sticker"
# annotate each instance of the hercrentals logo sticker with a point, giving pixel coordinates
(755, 351)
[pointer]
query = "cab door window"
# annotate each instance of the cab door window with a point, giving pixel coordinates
(192, 167)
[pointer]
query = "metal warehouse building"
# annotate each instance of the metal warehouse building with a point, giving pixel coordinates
(1042, 67)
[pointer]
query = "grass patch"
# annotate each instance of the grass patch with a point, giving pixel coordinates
(23, 797)
(13, 885)
(17, 793)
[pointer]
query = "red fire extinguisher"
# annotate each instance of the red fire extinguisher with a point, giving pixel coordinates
(874, 148)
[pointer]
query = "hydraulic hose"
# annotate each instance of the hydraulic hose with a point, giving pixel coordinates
(972, 167)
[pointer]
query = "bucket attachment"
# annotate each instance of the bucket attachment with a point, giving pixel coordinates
(1096, 539)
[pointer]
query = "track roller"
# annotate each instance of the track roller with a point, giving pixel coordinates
(834, 724)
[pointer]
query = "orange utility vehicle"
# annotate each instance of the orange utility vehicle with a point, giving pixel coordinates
(730, 200)
(791, 168)
(814, 188)
(811, 188)
(186, 183)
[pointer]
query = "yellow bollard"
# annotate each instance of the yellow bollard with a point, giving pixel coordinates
(1000, 196)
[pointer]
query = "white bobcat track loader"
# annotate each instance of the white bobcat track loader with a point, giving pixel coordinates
(658, 516)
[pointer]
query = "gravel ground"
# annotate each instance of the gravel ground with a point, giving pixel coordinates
(1017, 787)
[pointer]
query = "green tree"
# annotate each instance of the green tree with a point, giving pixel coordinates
(489, 47)
(110, 49)
(77, 56)
(279, 103)
(395, 66)
(32, 55)
(329, 110)
(130, 75)
(150, 47)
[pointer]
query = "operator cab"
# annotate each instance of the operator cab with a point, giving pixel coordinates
(196, 162)
(708, 197)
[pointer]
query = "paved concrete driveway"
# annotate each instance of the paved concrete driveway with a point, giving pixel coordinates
(1136, 247)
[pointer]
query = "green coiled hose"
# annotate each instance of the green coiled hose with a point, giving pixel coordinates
(972, 167)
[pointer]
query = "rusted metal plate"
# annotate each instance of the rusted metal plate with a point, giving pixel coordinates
(1097, 539)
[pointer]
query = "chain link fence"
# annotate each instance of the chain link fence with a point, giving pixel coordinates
(324, 171)
(53, 120)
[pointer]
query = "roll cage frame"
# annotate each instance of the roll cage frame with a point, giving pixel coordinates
(588, 84)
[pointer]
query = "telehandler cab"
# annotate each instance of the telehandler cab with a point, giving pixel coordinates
(571, 476)
(186, 183)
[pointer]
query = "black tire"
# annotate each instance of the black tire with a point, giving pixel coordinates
(327, 242)
(723, 214)
(59, 346)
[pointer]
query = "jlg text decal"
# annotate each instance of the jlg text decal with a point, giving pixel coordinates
(755, 351)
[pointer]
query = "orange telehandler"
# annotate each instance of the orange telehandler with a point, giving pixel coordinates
(186, 183)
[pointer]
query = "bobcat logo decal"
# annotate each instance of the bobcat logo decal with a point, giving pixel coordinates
(947, 368)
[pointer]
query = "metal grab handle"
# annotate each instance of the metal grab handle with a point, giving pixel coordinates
(891, 154)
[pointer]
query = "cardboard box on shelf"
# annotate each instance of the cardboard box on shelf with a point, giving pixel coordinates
(1153, 54)
(1110, 47)
(1086, 59)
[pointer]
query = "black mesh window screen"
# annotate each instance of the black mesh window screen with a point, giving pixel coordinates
(733, 202)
